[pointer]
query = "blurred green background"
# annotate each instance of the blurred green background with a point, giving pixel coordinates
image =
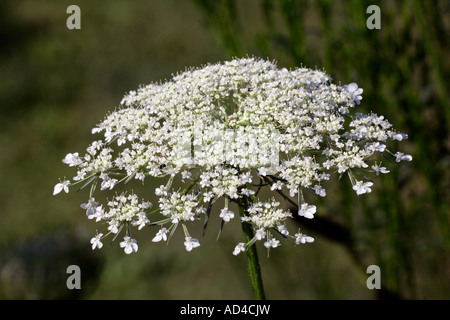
(56, 84)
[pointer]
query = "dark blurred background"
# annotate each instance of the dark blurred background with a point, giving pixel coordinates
(56, 84)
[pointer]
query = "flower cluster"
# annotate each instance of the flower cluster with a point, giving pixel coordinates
(265, 216)
(227, 130)
(121, 210)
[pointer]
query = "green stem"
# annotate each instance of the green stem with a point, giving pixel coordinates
(254, 269)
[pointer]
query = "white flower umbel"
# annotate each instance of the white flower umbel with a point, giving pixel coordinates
(266, 217)
(228, 130)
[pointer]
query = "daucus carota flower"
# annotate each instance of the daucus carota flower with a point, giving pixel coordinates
(96, 241)
(161, 235)
(72, 159)
(379, 169)
(90, 207)
(226, 214)
(229, 130)
(64, 185)
(129, 245)
(307, 211)
(240, 247)
(191, 243)
(303, 238)
(354, 91)
(362, 187)
(402, 157)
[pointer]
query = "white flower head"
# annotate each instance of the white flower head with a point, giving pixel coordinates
(64, 185)
(399, 136)
(303, 238)
(229, 130)
(141, 221)
(283, 229)
(378, 169)
(99, 214)
(276, 186)
(108, 183)
(161, 235)
(186, 175)
(272, 243)
(399, 156)
(96, 241)
(362, 187)
(161, 191)
(260, 234)
(240, 247)
(307, 210)
(356, 92)
(129, 245)
(191, 243)
(226, 214)
(72, 159)
(263, 171)
(90, 207)
(113, 226)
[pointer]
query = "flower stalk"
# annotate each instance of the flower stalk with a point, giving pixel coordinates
(254, 268)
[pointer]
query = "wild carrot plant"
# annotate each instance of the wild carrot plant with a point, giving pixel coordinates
(226, 131)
